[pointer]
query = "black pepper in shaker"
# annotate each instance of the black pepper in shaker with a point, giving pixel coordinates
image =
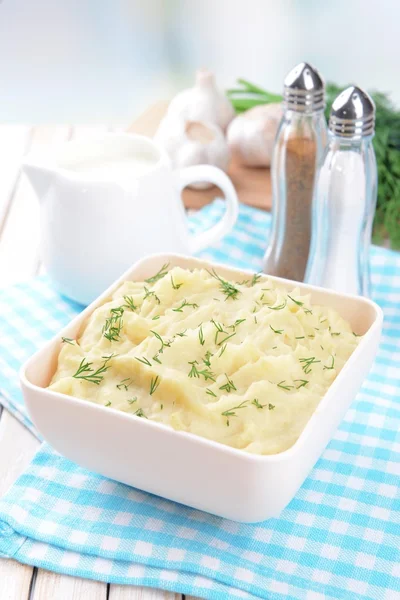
(300, 141)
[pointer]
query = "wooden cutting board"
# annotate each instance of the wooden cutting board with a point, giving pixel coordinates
(253, 185)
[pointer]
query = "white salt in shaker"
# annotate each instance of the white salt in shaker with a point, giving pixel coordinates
(345, 198)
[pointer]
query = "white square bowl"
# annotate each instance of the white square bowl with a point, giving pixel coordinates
(181, 466)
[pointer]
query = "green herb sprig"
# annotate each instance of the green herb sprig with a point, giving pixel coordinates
(129, 303)
(87, 373)
(150, 294)
(184, 304)
(231, 412)
(226, 287)
(161, 273)
(113, 325)
(307, 363)
(228, 386)
(175, 286)
(123, 385)
(154, 383)
(195, 372)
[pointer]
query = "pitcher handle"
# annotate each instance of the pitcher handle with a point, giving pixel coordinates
(208, 173)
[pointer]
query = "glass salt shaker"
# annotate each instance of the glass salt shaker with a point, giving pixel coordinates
(345, 198)
(299, 144)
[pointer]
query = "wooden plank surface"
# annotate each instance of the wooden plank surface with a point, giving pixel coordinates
(53, 586)
(124, 592)
(253, 185)
(17, 447)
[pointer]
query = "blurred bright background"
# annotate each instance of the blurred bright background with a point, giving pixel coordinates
(92, 61)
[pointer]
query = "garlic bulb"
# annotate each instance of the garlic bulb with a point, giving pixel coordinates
(203, 102)
(193, 143)
(251, 135)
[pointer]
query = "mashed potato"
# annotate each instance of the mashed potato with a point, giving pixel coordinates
(244, 363)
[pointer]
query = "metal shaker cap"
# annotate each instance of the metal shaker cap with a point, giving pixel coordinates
(304, 89)
(352, 114)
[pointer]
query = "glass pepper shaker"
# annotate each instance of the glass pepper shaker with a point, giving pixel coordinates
(345, 198)
(299, 144)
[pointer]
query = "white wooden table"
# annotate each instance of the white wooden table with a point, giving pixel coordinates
(19, 260)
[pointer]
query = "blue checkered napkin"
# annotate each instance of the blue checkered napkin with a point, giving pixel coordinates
(338, 539)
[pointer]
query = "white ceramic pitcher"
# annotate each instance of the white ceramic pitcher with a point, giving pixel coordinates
(96, 223)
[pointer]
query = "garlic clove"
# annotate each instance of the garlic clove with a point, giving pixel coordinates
(203, 102)
(251, 135)
(191, 143)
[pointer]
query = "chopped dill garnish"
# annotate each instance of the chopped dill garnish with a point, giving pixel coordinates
(284, 387)
(279, 331)
(255, 320)
(129, 303)
(236, 323)
(219, 329)
(86, 372)
(164, 344)
(279, 306)
(307, 362)
(226, 338)
(108, 403)
(299, 337)
(228, 386)
(195, 372)
(323, 320)
(223, 348)
(182, 333)
(331, 366)
(206, 359)
(183, 305)
(226, 287)
(303, 382)
(124, 384)
(132, 400)
(149, 293)
(154, 383)
(296, 301)
(161, 273)
(231, 411)
(140, 413)
(357, 334)
(144, 360)
(113, 325)
(311, 336)
(308, 311)
(210, 393)
(176, 286)
(201, 335)
(155, 318)
(274, 347)
(156, 359)
(255, 279)
(162, 406)
(335, 333)
(68, 341)
(257, 403)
